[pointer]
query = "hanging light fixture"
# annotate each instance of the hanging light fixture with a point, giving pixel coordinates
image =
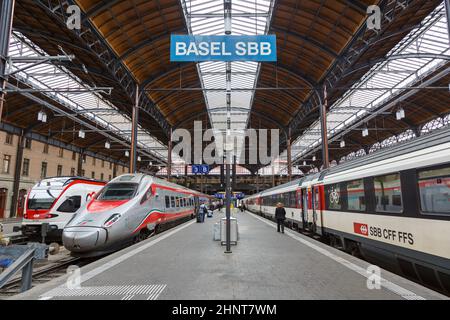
(81, 134)
(365, 131)
(139, 158)
(400, 114)
(108, 145)
(304, 163)
(42, 116)
(343, 144)
(127, 153)
(314, 158)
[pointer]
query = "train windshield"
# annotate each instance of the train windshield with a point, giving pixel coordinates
(118, 191)
(42, 199)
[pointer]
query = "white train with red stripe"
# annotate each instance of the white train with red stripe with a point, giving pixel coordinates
(54, 201)
(128, 209)
(392, 207)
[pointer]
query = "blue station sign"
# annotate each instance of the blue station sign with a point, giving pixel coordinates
(200, 169)
(188, 48)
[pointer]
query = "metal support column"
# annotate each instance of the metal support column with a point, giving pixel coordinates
(257, 182)
(134, 132)
(169, 157)
(17, 173)
(323, 126)
(228, 29)
(289, 154)
(234, 185)
(6, 19)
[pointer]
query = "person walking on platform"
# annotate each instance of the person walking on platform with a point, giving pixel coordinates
(280, 216)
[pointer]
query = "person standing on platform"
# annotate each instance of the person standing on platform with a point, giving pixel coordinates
(280, 216)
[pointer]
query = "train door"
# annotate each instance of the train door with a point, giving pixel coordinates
(304, 207)
(3, 193)
(21, 202)
(316, 225)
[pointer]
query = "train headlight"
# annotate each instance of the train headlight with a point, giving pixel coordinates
(111, 220)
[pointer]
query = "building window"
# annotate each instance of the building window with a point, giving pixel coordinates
(74, 156)
(388, 193)
(103, 163)
(6, 163)
(59, 170)
(93, 175)
(102, 177)
(44, 170)
(45, 148)
(84, 158)
(27, 143)
(110, 178)
(61, 153)
(9, 138)
(434, 187)
(110, 166)
(72, 172)
(93, 161)
(123, 169)
(26, 167)
(83, 173)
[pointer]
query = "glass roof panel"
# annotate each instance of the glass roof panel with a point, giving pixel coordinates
(205, 17)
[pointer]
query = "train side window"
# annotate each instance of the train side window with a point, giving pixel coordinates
(333, 199)
(72, 204)
(167, 202)
(355, 195)
(434, 189)
(388, 193)
(172, 202)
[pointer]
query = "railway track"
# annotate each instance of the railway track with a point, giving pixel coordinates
(41, 274)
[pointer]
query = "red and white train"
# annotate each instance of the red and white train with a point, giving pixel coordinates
(54, 201)
(392, 207)
(128, 209)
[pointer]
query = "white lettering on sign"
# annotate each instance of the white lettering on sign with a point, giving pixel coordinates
(220, 49)
(180, 48)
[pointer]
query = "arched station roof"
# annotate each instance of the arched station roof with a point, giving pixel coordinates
(122, 44)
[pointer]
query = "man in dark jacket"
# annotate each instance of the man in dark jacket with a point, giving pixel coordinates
(280, 216)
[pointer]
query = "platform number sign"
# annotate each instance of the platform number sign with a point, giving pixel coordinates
(200, 169)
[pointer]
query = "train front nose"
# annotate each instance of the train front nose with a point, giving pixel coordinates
(84, 239)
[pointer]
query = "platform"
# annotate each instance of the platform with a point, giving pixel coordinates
(185, 263)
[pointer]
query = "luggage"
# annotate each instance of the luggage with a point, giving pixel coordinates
(210, 214)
